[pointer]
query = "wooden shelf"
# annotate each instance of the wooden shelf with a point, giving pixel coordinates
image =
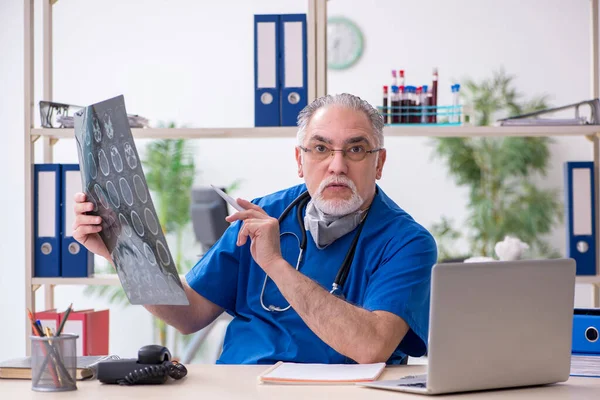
(185, 133)
(113, 279)
(108, 279)
(390, 130)
(592, 279)
(489, 131)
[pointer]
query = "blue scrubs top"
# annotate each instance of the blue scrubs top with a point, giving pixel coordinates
(391, 271)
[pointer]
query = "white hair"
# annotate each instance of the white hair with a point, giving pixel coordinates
(345, 100)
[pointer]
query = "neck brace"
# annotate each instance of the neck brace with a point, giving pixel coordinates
(325, 229)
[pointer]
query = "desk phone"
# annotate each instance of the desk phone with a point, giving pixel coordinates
(153, 366)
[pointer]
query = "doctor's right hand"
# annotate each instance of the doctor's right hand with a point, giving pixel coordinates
(86, 227)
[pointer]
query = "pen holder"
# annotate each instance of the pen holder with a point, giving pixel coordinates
(53, 363)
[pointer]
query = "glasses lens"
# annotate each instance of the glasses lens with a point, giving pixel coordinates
(318, 152)
(356, 153)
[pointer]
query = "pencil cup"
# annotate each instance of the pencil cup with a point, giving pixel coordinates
(53, 363)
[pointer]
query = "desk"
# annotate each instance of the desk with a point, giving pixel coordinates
(239, 382)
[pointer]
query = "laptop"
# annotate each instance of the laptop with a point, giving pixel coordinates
(496, 325)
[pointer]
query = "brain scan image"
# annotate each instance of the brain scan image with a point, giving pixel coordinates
(151, 221)
(117, 161)
(101, 196)
(91, 163)
(125, 225)
(96, 129)
(126, 191)
(115, 183)
(140, 188)
(113, 195)
(130, 156)
(108, 127)
(137, 223)
(103, 162)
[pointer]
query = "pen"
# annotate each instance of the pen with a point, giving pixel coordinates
(49, 334)
(46, 350)
(48, 331)
(39, 327)
(228, 199)
(50, 353)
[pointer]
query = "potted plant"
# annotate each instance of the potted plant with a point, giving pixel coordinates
(499, 172)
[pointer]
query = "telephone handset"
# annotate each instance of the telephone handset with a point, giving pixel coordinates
(153, 365)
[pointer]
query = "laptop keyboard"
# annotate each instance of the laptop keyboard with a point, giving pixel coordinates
(417, 384)
(418, 381)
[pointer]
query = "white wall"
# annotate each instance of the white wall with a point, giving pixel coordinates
(192, 62)
(12, 231)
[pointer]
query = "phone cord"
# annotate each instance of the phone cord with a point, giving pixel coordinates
(172, 368)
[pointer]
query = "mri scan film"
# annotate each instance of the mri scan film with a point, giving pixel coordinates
(113, 180)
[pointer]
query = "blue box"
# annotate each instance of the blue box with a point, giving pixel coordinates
(586, 328)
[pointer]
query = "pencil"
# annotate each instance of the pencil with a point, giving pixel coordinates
(49, 334)
(46, 350)
(64, 319)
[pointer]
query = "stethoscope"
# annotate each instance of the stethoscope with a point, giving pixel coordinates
(342, 274)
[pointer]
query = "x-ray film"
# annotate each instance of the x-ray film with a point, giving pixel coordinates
(113, 180)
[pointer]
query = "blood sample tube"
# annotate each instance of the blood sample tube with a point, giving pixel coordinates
(434, 95)
(385, 111)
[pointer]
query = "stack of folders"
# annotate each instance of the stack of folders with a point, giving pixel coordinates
(56, 252)
(580, 215)
(92, 327)
(585, 357)
(280, 68)
(20, 368)
(285, 373)
(585, 365)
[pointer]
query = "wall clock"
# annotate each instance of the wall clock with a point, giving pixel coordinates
(344, 43)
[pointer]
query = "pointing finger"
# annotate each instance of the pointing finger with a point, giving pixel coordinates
(250, 206)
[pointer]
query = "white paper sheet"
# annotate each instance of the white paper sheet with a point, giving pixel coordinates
(321, 373)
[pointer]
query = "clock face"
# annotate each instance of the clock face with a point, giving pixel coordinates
(344, 43)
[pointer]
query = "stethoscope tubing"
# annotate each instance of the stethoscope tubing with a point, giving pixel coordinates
(342, 273)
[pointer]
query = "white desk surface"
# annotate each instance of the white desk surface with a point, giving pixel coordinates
(239, 382)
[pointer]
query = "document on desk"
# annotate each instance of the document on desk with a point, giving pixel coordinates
(286, 373)
(585, 366)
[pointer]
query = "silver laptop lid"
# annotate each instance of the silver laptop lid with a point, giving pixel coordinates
(500, 324)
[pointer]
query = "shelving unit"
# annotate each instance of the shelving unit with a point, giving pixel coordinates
(290, 132)
(317, 86)
(101, 280)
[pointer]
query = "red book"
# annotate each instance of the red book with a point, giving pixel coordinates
(92, 328)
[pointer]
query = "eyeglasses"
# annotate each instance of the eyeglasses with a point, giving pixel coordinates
(319, 152)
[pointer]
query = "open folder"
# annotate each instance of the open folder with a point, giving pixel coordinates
(320, 374)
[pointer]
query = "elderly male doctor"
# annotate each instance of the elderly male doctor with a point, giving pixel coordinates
(343, 278)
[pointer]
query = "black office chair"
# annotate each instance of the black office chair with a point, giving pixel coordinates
(208, 211)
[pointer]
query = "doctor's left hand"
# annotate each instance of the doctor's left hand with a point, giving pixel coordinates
(263, 232)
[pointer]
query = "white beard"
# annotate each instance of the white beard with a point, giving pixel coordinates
(338, 207)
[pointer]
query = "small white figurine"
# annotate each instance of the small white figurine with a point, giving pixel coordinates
(479, 259)
(511, 248)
